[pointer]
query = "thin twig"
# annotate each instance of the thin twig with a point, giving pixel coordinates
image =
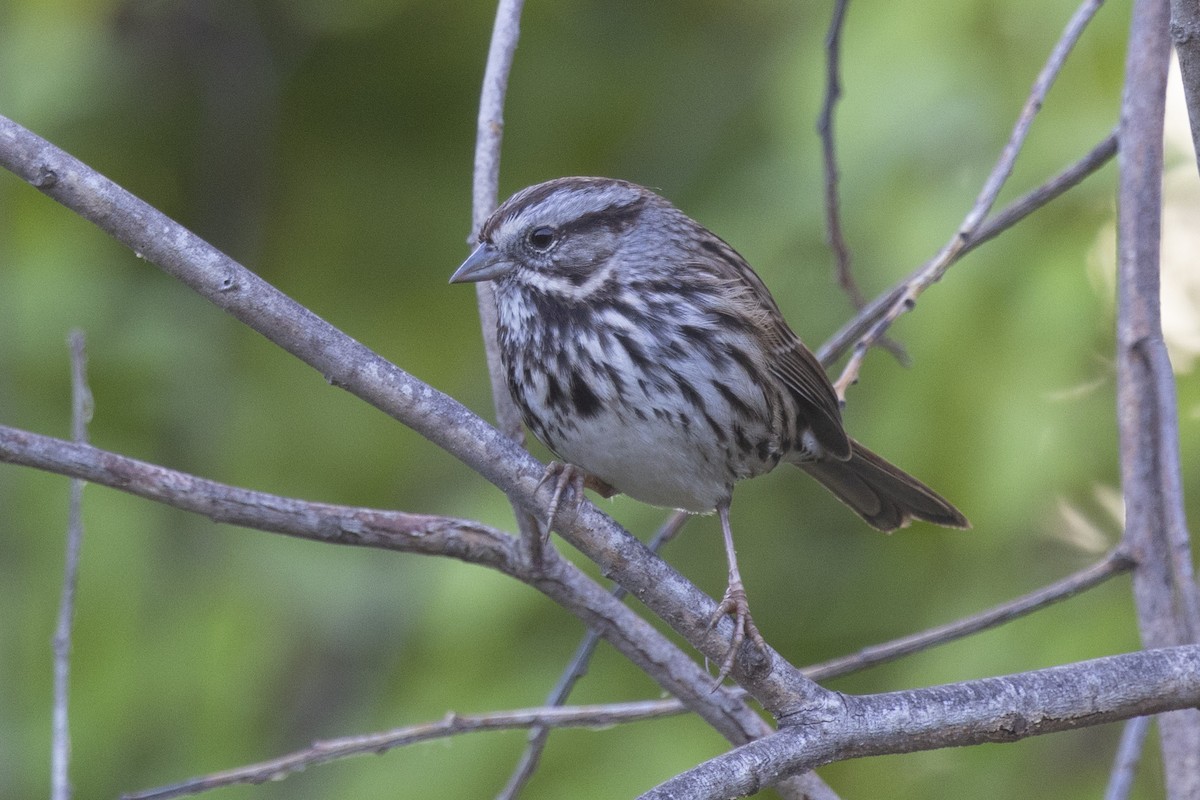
(321, 752)
(81, 414)
(485, 190)
(936, 268)
(1115, 563)
(833, 215)
(1098, 156)
(1129, 753)
(576, 669)
(484, 193)
(1027, 203)
(1156, 533)
(842, 263)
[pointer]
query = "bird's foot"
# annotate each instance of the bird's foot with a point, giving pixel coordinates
(735, 605)
(568, 476)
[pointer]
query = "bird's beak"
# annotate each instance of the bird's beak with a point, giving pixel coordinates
(485, 264)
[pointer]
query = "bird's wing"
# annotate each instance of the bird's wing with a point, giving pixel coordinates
(787, 357)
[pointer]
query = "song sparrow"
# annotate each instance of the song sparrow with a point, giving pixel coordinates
(641, 348)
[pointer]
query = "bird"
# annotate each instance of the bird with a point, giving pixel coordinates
(648, 356)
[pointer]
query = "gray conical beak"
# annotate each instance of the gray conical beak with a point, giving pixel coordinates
(485, 264)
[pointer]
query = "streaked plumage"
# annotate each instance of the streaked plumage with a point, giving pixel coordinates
(643, 349)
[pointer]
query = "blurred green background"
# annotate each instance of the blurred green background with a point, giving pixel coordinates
(328, 146)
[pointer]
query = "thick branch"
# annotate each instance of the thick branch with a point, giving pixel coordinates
(1002, 709)
(1185, 31)
(348, 364)
(468, 541)
(1155, 527)
(539, 735)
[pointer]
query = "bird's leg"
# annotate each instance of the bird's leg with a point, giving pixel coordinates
(734, 604)
(566, 475)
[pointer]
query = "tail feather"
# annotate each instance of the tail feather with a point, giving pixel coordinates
(881, 493)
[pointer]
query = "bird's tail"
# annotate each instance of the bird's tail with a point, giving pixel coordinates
(884, 495)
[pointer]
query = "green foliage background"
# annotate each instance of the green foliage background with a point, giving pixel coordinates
(328, 146)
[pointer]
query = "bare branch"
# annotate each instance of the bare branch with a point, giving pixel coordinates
(323, 522)
(833, 216)
(952, 250)
(1004, 709)
(1185, 32)
(489, 133)
(322, 752)
(576, 669)
(60, 745)
(465, 540)
(441, 419)
(1113, 564)
(1016, 211)
(1129, 753)
(1164, 586)
(842, 265)
(1025, 205)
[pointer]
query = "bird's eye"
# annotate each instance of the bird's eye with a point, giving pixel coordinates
(541, 239)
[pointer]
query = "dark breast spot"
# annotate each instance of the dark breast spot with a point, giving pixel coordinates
(585, 400)
(554, 393)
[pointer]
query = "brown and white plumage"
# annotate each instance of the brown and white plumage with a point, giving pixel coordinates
(643, 349)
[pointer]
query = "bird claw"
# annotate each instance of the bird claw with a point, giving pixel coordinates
(734, 604)
(564, 476)
(568, 476)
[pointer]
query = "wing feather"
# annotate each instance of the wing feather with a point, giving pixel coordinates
(786, 357)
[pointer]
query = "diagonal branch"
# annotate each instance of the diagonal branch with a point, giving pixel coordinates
(576, 669)
(1113, 564)
(1031, 201)
(952, 250)
(465, 540)
(1013, 213)
(441, 419)
(1004, 709)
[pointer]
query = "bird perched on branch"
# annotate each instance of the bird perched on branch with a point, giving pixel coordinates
(644, 351)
